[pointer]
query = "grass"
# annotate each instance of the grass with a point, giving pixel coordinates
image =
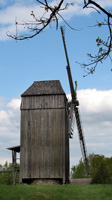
(56, 192)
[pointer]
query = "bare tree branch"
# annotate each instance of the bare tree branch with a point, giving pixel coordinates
(43, 22)
(104, 46)
(98, 6)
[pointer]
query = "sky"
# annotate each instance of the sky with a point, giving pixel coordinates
(43, 58)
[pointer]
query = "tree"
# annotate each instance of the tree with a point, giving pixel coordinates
(101, 176)
(53, 14)
(79, 170)
(100, 169)
(6, 178)
(109, 166)
(95, 160)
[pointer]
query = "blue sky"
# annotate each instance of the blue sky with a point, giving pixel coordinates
(43, 58)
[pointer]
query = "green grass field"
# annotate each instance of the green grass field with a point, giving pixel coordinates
(56, 192)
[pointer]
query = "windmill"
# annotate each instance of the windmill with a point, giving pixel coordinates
(73, 109)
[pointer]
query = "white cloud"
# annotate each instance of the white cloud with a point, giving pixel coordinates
(95, 100)
(20, 11)
(9, 127)
(4, 118)
(14, 104)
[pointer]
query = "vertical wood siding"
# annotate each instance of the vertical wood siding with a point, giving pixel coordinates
(44, 138)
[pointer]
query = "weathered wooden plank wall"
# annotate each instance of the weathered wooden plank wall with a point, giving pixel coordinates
(44, 138)
(41, 102)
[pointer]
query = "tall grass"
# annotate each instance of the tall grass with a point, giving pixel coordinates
(56, 192)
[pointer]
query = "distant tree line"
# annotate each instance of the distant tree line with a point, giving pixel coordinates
(100, 168)
(6, 178)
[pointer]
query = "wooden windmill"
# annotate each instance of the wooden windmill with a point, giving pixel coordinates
(74, 110)
(44, 151)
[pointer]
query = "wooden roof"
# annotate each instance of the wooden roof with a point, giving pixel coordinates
(44, 88)
(15, 148)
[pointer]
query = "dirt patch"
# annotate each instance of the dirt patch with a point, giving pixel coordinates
(45, 182)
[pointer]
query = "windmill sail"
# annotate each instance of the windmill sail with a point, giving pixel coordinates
(81, 138)
(71, 119)
(74, 110)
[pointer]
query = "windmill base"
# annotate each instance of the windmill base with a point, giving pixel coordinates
(43, 181)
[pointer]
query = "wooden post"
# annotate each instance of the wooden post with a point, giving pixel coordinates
(14, 166)
(14, 170)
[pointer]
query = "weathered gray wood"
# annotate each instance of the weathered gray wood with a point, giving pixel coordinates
(44, 138)
(49, 101)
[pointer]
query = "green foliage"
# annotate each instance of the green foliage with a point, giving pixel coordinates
(79, 170)
(6, 178)
(100, 169)
(95, 161)
(102, 175)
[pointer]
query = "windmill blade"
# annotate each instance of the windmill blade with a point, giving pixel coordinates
(81, 138)
(74, 107)
(73, 94)
(71, 121)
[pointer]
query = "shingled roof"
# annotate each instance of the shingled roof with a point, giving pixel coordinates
(44, 88)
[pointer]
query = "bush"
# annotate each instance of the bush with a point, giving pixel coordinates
(6, 178)
(102, 175)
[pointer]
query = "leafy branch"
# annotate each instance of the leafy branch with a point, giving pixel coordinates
(51, 14)
(104, 46)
